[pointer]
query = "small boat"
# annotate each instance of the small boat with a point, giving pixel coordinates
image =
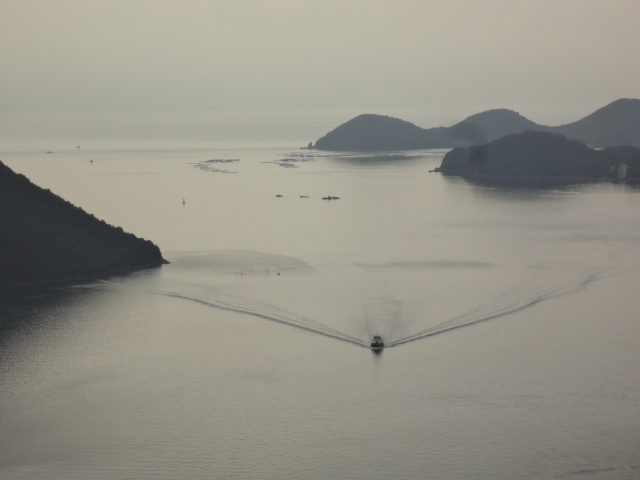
(377, 343)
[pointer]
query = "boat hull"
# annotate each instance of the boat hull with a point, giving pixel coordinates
(377, 343)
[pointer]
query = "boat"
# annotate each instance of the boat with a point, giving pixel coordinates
(377, 343)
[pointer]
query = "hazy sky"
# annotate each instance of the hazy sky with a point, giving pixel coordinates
(213, 55)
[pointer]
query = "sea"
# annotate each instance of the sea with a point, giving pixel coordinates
(510, 317)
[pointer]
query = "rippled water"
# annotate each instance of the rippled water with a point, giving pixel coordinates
(510, 317)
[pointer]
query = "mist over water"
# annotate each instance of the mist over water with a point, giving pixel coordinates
(509, 317)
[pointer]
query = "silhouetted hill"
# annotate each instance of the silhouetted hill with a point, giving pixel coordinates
(616, 124)
(378, 132)
(45, 239)
(538, 156)
(491, 125)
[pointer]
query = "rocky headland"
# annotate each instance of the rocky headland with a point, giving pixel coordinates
(45, 239)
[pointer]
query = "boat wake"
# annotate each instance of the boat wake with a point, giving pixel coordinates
(515, 300)
(216, 298)
(366, 309)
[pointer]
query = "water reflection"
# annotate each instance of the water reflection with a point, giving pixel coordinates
(392, 159)
(34, 315)
(22, 308)
(505, 191)
(509, 189)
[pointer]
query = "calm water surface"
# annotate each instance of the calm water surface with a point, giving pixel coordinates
(511, 315)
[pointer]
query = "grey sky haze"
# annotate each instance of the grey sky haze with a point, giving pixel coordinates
(369, 55)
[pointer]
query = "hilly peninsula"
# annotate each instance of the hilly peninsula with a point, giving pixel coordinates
(545, 157)
(615, 124)
(45, 239)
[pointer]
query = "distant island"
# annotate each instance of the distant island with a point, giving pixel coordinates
(45, 239)
(615, 124)
(541, 157)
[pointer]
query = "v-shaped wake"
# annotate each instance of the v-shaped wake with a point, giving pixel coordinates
(512, 301)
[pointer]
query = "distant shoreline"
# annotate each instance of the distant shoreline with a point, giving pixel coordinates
(615, 124)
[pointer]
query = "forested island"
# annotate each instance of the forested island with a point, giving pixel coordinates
(615, 124)
(45, 239)
(541, 157)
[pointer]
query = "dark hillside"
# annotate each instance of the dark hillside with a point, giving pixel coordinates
(45, 239)
(491, 125)
(373, 132)
(615, 124)
(540, 156)
(630, 156)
